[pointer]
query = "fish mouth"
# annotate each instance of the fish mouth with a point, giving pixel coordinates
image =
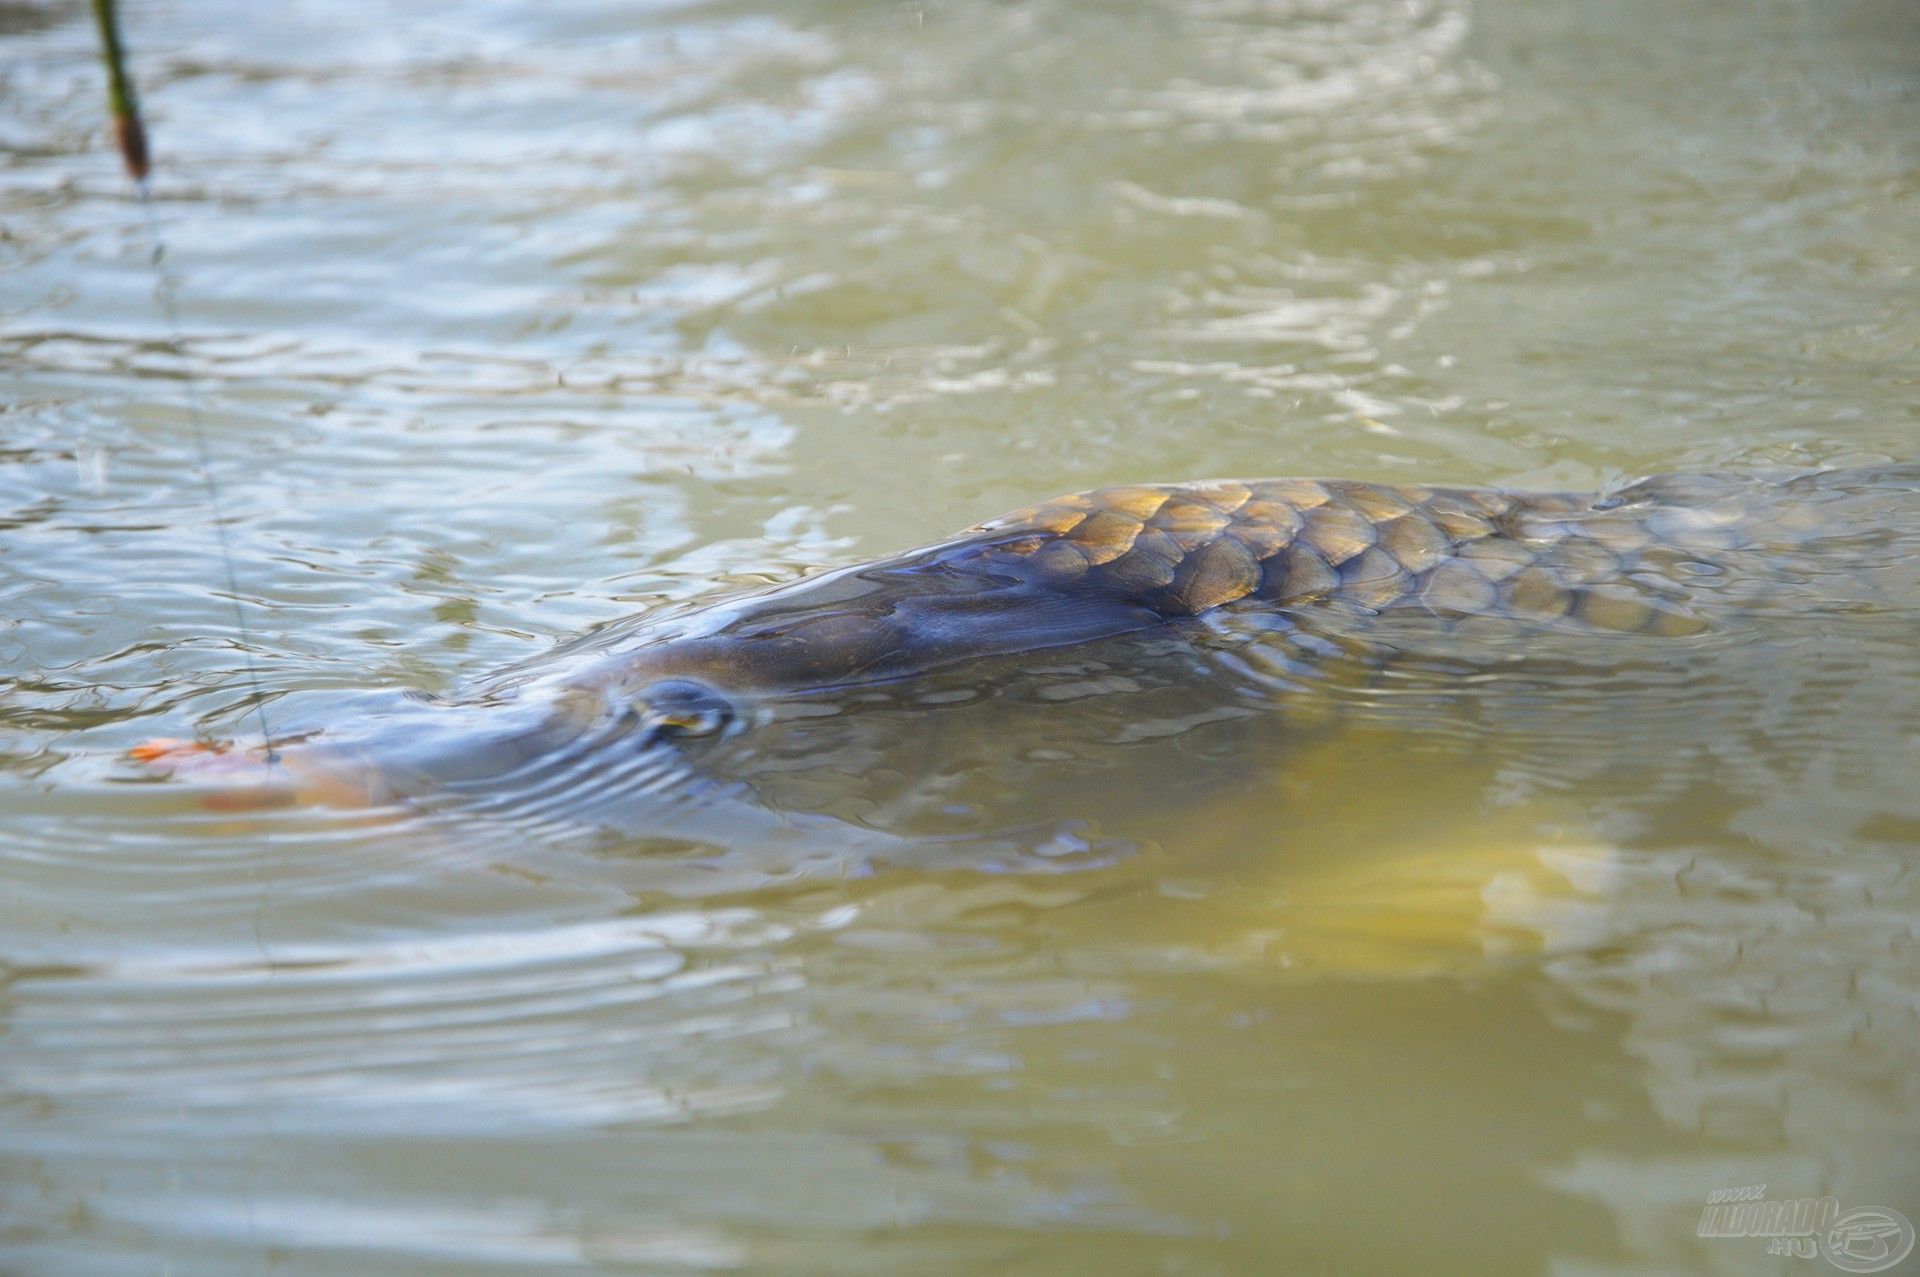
(376, 750)
(552, 764)
(229, 777)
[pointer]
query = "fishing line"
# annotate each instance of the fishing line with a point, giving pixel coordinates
(165, 292)
(130, 135)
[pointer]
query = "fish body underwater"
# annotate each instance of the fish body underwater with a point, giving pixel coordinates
(1160, 571)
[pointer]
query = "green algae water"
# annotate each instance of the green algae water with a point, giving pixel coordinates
(511, 320)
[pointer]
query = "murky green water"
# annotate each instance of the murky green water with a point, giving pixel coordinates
(511, 319)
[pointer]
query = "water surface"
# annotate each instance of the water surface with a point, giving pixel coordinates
(508, 320)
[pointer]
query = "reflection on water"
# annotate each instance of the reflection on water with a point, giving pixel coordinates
(512, 320)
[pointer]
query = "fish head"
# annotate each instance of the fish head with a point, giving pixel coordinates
(951, 609)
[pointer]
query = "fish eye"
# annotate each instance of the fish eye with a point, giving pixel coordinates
(680, 707)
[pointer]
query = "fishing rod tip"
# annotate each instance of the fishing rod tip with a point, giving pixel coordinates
(130, 135)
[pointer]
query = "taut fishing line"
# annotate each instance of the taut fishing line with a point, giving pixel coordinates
(131, 137)
(164, 291)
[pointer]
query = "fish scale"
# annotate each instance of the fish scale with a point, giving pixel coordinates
(1187, 549)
